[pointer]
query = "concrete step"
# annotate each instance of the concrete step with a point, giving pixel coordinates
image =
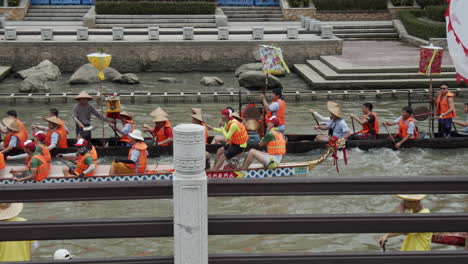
(154, 16)
(42, 23)
(329, 74)
(161, 25)
(249, 16)
(368, 35)
(228, 13)
(64, 10)
(66, 18)
(335, 63)
(353, 26)
(154, 21)
(255, 19)
(249, 8)
(59, 7)
(364, 30)
(55, 14)
(316, 81)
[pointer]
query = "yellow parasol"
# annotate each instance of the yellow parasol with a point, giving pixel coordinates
(101, 61)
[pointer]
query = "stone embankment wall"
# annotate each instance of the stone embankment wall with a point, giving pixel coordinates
(15, 13)
(175, 56)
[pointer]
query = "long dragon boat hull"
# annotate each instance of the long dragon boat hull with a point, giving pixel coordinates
(452, 239)
(295, 144)
(161, 172)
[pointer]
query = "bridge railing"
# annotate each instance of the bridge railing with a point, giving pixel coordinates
(248, 224)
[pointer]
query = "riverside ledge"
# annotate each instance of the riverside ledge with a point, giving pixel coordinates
(168, 54)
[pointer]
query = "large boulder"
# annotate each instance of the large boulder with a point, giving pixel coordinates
(45, 68)
(127, 78)
(255, 67)
(256, 80)
(34, 84)
(211, 81)
(89, 74)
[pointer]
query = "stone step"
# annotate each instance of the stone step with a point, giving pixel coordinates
(316, 81)
(249, 16)
(368, 35)
(66, 18)
(255, 19)
(335, 63)
(329, 74)
(64, 10)
(228, 13)
(55, 15)
(244, 8)
(351, 26)
(377, 39)
(42, 23)
(154, 16)
(161, 25)
(153, 21)
(59, 7)
(364, 30)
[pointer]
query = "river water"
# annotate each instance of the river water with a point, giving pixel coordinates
(376, 162)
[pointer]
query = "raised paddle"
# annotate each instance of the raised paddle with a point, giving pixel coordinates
(70, 167)
(352, 122)
(386, 128)
(315, 118)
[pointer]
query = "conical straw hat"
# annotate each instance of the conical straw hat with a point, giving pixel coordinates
(198, 116)
(335, 109)
(11, 124)
(10, 210)
(160, 118)
(158, 111)
(412, 197)
(53, 119)
(124, 113)
(83, 95)
(196, 110)
(236, 116)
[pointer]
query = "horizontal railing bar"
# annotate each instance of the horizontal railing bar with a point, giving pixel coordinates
(281, 186)
(235, 225)
(452, 257)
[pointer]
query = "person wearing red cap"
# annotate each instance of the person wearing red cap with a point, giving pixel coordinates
(84, 161)
(275, 145)
(39, 140)
(36, 169)
(236, 136)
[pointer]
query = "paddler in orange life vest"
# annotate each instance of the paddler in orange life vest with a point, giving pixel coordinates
(137, 157)
(445, 110)
(162, 131)
(36, 169)
(235, 134)
(275, 145)
(39, 140)
(276, 108)
(369, 123)
(55, 112)
(128, 127)
(14, 138)
(406, 127)
(23, 133)
(197, 119)
(85, 166)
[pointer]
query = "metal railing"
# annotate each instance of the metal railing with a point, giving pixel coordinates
(248, 224)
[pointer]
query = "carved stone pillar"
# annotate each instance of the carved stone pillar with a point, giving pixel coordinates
(190, 196)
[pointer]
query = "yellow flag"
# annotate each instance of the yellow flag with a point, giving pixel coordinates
(101, 61)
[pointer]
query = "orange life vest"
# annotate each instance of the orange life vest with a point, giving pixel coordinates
(368, 127)
(442, 106)
(125, 138)
(6, 140)
(142, 147)
(23, 133)
(281, 113)
(62, 124)
(2, 161)
(46, 154)
(160, 134)
(277, 146)
(42, 170)
(239, 137)
(403, 128)
(62, 142)
(94, 155)
(82, 166)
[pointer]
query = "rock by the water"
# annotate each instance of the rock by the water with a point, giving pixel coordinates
(127, 78)
(211, 81)
(45, 68)
(254, 67)
(256, 80)
(167, 80)
(34, 84)
(248, 67)
(89, 74)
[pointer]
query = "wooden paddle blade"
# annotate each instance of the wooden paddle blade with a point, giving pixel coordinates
(421, 113)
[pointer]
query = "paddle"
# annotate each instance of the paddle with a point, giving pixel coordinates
(315, 118)
(386, 128)
(352, 122)
(70, 167)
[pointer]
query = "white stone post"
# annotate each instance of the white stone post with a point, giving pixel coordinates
(82, 33)
(153, 33)
(257, 32)
(190, 196)
(313, 25)
(118, 33)
(47, 33)
(187, 33)
(306, 23)
(327, 31)
(223, 33)
(292, 32)
(10, 33)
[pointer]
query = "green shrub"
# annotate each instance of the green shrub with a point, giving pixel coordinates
(154, 8)
(436, 13)
(299, 3)
(424, 3)
(350, 4)
(402, 2)
(421, 28)
(13, 2)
